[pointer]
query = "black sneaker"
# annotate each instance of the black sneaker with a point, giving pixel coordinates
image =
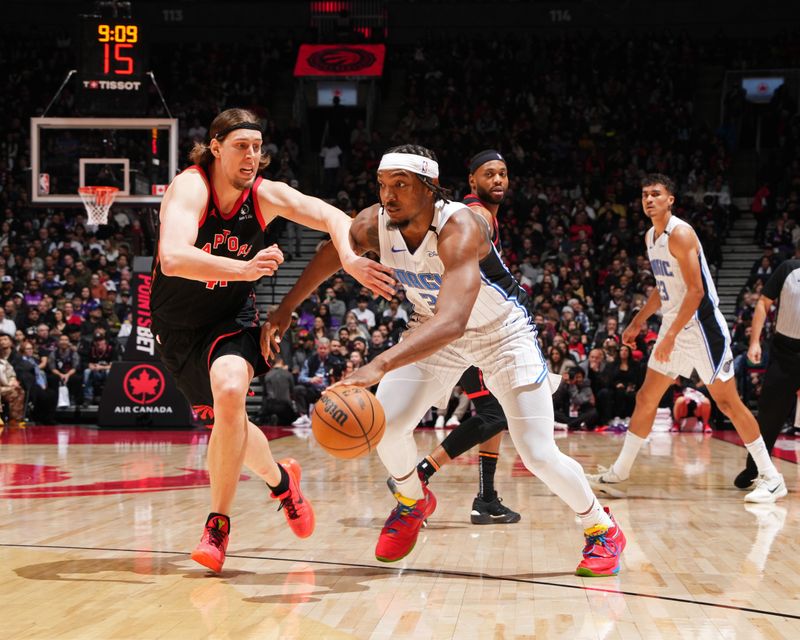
(746, 478)
(492, 512)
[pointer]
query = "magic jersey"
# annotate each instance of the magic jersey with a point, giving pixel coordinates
(238, 234)
(501, 300)
(670, 281)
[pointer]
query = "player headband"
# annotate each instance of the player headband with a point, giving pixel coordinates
(410, 162)
(242, 125)
(483, 157)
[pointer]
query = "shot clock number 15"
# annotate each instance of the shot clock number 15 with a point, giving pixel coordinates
(117, 41)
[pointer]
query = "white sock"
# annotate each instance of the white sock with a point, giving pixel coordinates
(595, 516)
(625, 459)
(758, 449)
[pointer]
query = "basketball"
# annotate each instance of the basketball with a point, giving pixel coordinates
(348, 422)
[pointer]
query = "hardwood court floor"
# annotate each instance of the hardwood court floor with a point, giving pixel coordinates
(96, 527)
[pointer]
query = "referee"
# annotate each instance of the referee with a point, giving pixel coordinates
(782, 378)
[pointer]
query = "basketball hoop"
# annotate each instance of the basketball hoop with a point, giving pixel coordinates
(97, 201)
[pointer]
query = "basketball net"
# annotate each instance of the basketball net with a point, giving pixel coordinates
(97, 201)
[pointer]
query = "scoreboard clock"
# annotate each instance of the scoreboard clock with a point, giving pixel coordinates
(112, 68)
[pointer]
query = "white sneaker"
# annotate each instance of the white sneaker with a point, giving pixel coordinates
(439, 422)
(452, 422)
(560, 426)
(302, 421)
(606, 476)
(767, 490)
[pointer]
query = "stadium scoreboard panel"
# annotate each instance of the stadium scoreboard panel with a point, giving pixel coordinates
(113, 56)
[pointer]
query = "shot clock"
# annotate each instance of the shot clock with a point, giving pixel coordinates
(112, 69)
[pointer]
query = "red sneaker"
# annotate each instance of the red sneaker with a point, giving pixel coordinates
(210, 552)
(602, 551)
(399, 534)
(297, 509)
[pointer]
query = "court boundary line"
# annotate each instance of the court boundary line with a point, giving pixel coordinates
(432, 572)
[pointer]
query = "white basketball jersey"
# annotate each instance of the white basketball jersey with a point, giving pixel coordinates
(667, 271)
(501, 301)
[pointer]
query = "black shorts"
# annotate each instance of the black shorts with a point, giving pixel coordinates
(189, 353)
(486, 405)
(472, 383)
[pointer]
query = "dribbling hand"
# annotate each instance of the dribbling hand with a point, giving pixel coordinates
(264, 263)
(366, 376)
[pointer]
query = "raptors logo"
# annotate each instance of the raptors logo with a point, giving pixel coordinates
(341, 59)
(143, 384)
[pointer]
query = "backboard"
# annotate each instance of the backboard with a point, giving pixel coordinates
(139, 156)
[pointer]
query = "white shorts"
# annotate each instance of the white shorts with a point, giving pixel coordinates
(704, 345)
(509, 357)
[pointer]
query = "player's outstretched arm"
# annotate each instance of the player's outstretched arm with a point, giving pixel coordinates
(278, 198)
(363, 237)
(183, 205)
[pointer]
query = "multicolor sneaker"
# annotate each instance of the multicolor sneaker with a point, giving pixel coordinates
(767, 490)
(492, 512)
(296, 507)
(399, 533)
(602, 551)
(210, 552)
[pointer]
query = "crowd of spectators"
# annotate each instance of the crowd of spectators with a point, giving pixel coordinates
(577, 143)
(578, 126)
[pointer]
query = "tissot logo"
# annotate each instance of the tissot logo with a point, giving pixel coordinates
(118, 85)
(341, 59)
(143, 384)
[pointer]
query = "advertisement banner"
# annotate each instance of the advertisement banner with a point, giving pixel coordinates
(140, 392)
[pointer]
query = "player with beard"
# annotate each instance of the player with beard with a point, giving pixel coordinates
(488, 181)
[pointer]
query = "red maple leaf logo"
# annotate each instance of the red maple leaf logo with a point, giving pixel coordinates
(144, 385)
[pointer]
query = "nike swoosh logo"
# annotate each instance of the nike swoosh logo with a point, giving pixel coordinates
(778, 486)
(397, 250)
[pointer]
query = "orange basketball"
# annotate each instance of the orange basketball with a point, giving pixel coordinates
(348, 422)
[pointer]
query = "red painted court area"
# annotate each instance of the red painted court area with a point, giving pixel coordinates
(139, 474)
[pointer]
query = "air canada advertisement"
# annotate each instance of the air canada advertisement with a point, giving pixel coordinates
(139, 390)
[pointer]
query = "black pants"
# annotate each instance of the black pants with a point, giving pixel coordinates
(778, 393)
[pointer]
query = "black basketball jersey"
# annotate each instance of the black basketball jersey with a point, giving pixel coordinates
(238, 234)
(472, 200)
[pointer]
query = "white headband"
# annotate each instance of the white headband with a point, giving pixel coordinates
(410, 162)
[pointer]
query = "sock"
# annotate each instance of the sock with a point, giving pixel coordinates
(214, 514)
(410, 488)
(283, 486)
(758, 449)
(594, 517)
(625, 459)
(487, 465)
(427, 468)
